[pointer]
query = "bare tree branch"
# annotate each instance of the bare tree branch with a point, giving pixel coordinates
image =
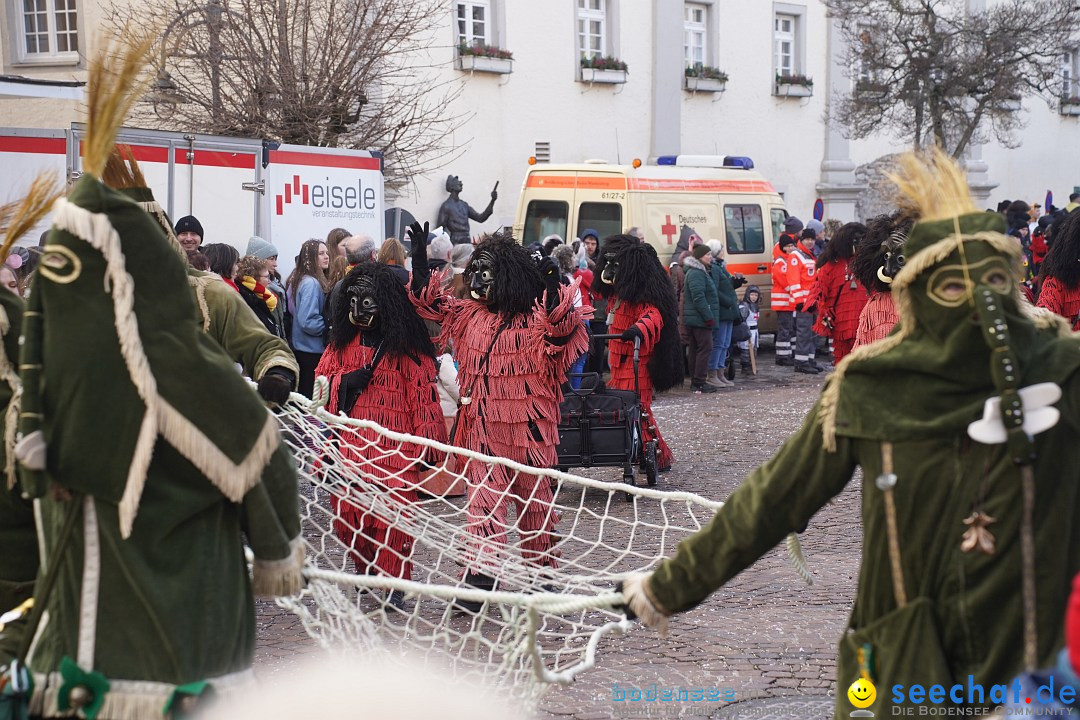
(334, 73)
(930, 70)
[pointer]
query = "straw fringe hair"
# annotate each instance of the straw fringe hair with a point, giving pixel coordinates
(28, 212)
(122, 170)
(115, 82)
(232, 479)
(933, 185)
(905, 309)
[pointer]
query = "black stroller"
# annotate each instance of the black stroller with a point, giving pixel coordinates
(601, 427)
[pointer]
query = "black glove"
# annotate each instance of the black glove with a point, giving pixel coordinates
(625, 609)
(549, 270)
(418, 235)
(494, 192)
(352, 384)
(276, 384)
(798, 308)
(632, 332)
(737, 281)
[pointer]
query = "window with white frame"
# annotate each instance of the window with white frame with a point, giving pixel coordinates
(592, 27)
(474, 23)
(1069, 75)
(784, 44)
(865, 73)
(48, 30)
(695, 34)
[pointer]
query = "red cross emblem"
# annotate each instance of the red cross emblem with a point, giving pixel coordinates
(668, 230)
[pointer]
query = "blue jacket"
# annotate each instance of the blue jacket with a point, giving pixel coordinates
(308, 324)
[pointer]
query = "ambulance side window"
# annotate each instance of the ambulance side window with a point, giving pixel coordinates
(745, 229)
(779, 216)
(543, 218)
(604, 218)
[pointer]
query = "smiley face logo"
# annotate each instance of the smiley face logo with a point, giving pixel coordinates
(862, 693)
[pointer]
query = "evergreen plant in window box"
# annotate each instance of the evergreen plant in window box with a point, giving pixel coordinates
(600, 69)
(479, 57)
(794, 86)
(702, 78)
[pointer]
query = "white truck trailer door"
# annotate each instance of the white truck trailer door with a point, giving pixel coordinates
(24, 154)
(200, 175)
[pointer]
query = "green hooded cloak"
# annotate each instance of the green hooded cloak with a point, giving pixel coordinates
(965, 336)
(136, 427)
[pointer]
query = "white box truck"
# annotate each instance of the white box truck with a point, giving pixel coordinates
(236, 187)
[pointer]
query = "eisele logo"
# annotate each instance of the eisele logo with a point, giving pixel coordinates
(862, 694)
(325, 195)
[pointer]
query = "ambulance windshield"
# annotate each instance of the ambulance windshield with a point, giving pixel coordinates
(543, 218)
(605, 218)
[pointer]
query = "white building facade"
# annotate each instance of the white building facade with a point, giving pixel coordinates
(549, 107)
(543, 103)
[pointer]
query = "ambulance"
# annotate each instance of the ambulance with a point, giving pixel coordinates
(714, 197)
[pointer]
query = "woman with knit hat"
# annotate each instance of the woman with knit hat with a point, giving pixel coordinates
(966, 419)
(253, 283)
(267, 252)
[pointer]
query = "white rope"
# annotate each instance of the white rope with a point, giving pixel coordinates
(554, 599)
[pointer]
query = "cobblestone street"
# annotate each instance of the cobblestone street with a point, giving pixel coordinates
(767, 641)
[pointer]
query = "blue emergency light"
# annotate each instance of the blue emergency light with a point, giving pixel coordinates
(739, 161)
(729, 161)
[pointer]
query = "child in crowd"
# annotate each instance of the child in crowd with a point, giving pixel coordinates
(751, 313)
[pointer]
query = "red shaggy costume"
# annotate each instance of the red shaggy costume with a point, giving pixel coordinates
(642, 303)
(837, 294)
(514, 337)
(878, 257)
(1060, 270)
(399, 394)
(1065, 301)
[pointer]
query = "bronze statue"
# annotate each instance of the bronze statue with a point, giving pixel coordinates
(455, 213)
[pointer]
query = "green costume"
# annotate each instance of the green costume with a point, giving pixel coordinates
(18, 539)
(930, 612)
(223, 313)
(137, 431)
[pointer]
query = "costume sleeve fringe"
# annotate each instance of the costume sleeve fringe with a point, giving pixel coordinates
(650, 322)
(564, 325)
(278, 578)
(435, 302)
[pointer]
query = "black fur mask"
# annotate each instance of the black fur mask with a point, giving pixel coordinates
(395, 320)
(879, 254)
(363, 305)
(638, 277)
(480, 277)
(515, 283)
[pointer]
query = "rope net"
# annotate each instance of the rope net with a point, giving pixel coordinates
(390, 541)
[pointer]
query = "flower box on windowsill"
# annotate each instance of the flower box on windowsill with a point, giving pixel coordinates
(705, 84)
(612, 77)
(1070, 108)
(784, 89)
(481, 63)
